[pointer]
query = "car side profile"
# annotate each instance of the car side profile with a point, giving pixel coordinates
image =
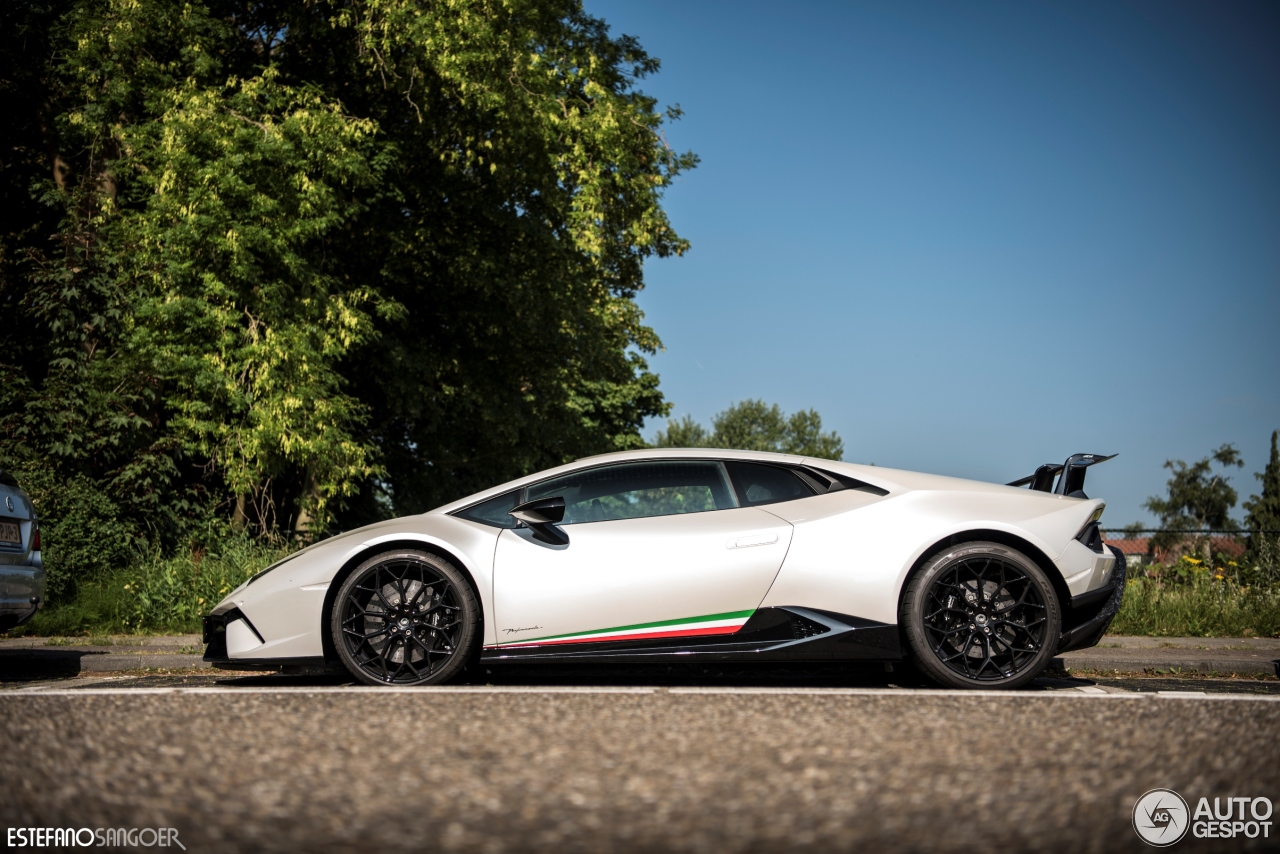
(682, 554)
(22, 575)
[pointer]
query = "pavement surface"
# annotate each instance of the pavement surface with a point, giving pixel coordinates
(619, 759)
(268, 764)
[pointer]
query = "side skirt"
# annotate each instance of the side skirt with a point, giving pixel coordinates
(771, 634)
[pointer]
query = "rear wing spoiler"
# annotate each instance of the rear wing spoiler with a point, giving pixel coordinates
(1069, 475)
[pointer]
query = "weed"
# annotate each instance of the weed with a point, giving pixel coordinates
(1201, 606)
(154, 593)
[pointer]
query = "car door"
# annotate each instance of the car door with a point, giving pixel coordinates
(656, 549)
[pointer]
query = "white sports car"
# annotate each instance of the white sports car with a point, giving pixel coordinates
(663, 555)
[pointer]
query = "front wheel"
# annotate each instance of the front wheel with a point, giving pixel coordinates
(405, 618)
(981, 615)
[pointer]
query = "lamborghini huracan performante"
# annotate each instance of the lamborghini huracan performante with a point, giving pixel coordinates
(662, 555)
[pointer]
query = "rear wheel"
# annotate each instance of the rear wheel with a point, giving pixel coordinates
(405, 618)
(981, 615)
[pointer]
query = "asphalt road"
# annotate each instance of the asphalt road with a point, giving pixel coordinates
(714, 764)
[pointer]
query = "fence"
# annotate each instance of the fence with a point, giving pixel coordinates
(1143, 546)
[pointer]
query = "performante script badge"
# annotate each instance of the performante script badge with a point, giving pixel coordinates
(1160, 817)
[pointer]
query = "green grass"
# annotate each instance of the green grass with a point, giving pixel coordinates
(1203, 607)
(162, 595)
(156, 594)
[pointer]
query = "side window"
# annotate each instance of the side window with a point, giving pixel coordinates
(492, 512)
(758, 483)
(637, 490)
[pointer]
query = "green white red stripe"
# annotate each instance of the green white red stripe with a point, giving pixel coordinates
(685, 627)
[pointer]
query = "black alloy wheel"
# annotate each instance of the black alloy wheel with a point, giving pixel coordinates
(405, 618)
(981, 615)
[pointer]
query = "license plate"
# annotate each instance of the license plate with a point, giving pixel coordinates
(10, 534)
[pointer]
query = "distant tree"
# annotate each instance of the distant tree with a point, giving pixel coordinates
(1198, 497)
(683, 433)
(753, 425)
(1134, 529)
(1264, 510)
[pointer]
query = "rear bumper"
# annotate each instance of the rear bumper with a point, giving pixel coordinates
(1091, 613)
(22, 591)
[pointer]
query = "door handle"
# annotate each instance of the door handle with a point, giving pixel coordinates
(753, 540)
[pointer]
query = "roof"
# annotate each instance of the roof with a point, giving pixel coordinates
(894, 480)
(1132, 545)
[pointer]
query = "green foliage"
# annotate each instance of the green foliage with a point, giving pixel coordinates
(154, 593)
(1264, 510)
(1202, 607)
(312, 263)
(1198, 497)
(80, 531)
(753, 425)
(683, 433)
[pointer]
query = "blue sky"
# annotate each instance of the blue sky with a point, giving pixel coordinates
(977, 237)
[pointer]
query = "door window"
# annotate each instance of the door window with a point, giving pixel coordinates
(757, 483)
(637, 490)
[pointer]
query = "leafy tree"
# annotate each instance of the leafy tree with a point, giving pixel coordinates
(1264, 509)
(324, 260)
(1198, 497)
(753, 425)
(683, 433)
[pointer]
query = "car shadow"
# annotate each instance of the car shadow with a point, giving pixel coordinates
(27, 665)
(796, 676)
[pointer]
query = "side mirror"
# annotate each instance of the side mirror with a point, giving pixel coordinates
(540, 515)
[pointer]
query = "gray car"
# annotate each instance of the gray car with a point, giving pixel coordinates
(22, 578)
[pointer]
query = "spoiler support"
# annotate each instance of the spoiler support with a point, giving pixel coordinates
(1070, 475)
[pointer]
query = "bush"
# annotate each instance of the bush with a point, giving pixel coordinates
(1198, 606)
(82, 536)
(154, 593)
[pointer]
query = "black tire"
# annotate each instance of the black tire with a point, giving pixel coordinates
(405, 617)
(981, 615)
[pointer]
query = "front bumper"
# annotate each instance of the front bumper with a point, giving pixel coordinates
(230, 633)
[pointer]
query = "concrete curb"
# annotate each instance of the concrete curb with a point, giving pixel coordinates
(70, 662)
(1241, 662)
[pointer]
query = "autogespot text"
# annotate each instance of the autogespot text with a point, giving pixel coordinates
(1232, 817)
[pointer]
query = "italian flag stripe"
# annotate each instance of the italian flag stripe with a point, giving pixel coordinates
(711, 624)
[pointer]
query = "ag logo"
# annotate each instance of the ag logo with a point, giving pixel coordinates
(1161, 817)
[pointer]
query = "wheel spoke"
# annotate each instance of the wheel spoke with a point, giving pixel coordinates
(370, 627)
(985, 618)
